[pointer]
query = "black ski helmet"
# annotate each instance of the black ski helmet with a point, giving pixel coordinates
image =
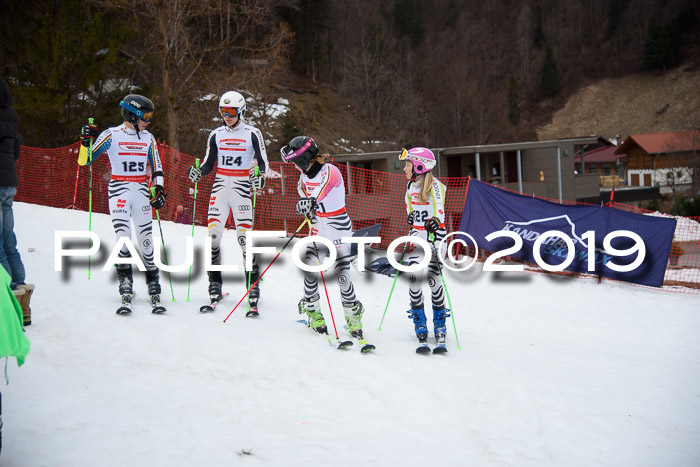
(300, 150)
(135, 107)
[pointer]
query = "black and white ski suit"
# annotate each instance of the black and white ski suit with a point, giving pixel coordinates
(131, 155)
(332, 222)
(234, 149)
(435, 207)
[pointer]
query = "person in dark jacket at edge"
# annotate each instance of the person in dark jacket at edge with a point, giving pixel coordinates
(9, 153)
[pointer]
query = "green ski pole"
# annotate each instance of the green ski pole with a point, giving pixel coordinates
(194, 215)
(162, 240)
(405, 245)
(91, 121)
(447, 293)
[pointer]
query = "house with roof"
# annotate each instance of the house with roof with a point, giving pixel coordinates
(662, 159)
(602, 161)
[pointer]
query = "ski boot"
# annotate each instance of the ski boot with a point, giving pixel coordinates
(439, 317)
(353, 316)
(418, 316)
(254, 294)
(312, 308)
(152, 280)
(215, 282)
(126, 290)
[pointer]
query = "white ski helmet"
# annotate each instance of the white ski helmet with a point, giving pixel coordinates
(232, 100)
(423, 159)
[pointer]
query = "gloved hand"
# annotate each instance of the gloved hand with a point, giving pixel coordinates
(158, 200)
(409, 219)
(432, 225)
(88, 134)
(307, 207)
(194, 174)
(257, 182)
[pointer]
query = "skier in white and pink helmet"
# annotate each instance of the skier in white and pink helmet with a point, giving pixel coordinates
(425, 204)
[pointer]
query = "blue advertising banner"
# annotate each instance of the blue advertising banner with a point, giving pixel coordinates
(489, 209)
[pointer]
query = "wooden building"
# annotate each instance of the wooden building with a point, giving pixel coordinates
(661, 159)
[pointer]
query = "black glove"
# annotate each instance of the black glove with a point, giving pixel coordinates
(307, 207)
(409, 219)
(432, 225)
(158, 200)
(88, 134)
(194, 174)
(257, 182)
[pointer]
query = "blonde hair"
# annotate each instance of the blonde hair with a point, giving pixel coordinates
(321, 158)
(427, 186)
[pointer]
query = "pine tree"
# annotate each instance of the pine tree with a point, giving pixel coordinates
(549, 78)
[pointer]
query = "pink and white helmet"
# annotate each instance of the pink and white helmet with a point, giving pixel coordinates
(423, 159)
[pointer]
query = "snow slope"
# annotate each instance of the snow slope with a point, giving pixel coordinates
(551, 372)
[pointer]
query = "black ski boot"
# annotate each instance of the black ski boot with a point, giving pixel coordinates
(254, 294)
(215, 282)
(126, 289)
(152, 280)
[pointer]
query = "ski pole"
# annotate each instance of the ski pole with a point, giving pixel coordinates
(405, 246)
(75, 192)
(194, 216)
(91, 121)
(162, 240)
(252, 223)
(268, 267)
(328, 299)
(447, 293)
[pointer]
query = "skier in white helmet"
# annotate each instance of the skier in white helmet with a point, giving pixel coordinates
(234, 146)
(425, 204)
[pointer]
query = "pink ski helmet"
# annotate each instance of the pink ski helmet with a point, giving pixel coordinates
(423, 159)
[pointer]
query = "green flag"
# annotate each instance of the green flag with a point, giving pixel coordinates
(13, 342)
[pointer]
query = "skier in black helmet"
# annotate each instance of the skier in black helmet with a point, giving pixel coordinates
(132, 150)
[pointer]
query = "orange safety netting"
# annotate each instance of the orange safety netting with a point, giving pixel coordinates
(52, 177)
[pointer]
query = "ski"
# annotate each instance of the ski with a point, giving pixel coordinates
(156, 307)
(125, 308)
(423, 349)
(214, 303)
(366, 346)
(440, 345)
(339, 344)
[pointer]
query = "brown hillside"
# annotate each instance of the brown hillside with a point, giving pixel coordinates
(639, 103)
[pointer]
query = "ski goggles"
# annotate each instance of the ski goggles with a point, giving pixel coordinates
(288, 154)
(145, 116)
(228, 111)
(405, 155)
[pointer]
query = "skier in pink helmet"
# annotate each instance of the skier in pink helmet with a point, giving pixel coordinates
(425, 205)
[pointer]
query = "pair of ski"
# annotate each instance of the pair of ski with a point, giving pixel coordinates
(424, 348)
(251, 313)
(125, 308)
(343, 344)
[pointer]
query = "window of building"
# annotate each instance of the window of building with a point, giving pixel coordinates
(592, 168)
(606, 169)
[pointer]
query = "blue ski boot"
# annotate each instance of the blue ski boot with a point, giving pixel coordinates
(439, 317)
(418, 316)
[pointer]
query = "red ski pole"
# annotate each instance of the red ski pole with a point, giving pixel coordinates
(268, 267)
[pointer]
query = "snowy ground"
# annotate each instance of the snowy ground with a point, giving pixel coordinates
(551, 372)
